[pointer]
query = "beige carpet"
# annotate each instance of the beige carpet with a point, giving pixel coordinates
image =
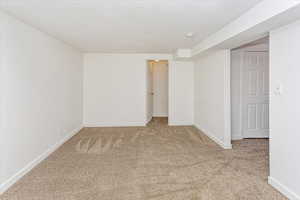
(149, 163)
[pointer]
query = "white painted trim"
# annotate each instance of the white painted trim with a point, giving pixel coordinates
(216, 140)
(179, 124)
(96, 125)
(160, 115)
(227, 99)
(234, 65)
(147, 121)
(16, 177)
(236, 137)
(283, 189)
(241, 93)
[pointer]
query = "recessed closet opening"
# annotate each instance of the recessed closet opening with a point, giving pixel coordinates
(157, 89)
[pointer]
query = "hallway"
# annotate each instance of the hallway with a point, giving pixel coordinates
(156, 162)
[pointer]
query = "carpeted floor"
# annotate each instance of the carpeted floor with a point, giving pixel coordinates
(149, 163)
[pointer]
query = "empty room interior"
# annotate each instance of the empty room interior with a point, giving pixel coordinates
(149, 100)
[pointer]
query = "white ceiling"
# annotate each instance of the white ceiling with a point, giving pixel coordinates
(128, 26)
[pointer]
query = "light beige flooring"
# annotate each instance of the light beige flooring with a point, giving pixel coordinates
(156, 162)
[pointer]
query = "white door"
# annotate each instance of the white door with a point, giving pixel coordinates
(256, 95)
(160, 89)
(149, 91)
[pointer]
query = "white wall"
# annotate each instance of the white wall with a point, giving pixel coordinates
(160, 89)
(236, 94)
(2, 23)
(181, 93)
(212, 96)
(285, 110)
(41, 92)
(115, 89)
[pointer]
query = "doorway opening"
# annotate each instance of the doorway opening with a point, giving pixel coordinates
(250, 93)
(157, 89)
(250, 98)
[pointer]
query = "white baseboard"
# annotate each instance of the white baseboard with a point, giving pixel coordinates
(215, 139)
(149, 120)
(283, 189)
(172, 122)
(180, 124)
(236, 137)
(95, 125)
(12, 180)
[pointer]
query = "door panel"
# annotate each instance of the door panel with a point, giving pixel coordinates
(256, 95)
(252, 83)
(160, 89)
(149, 91)
(252, 116)
(265, 116)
